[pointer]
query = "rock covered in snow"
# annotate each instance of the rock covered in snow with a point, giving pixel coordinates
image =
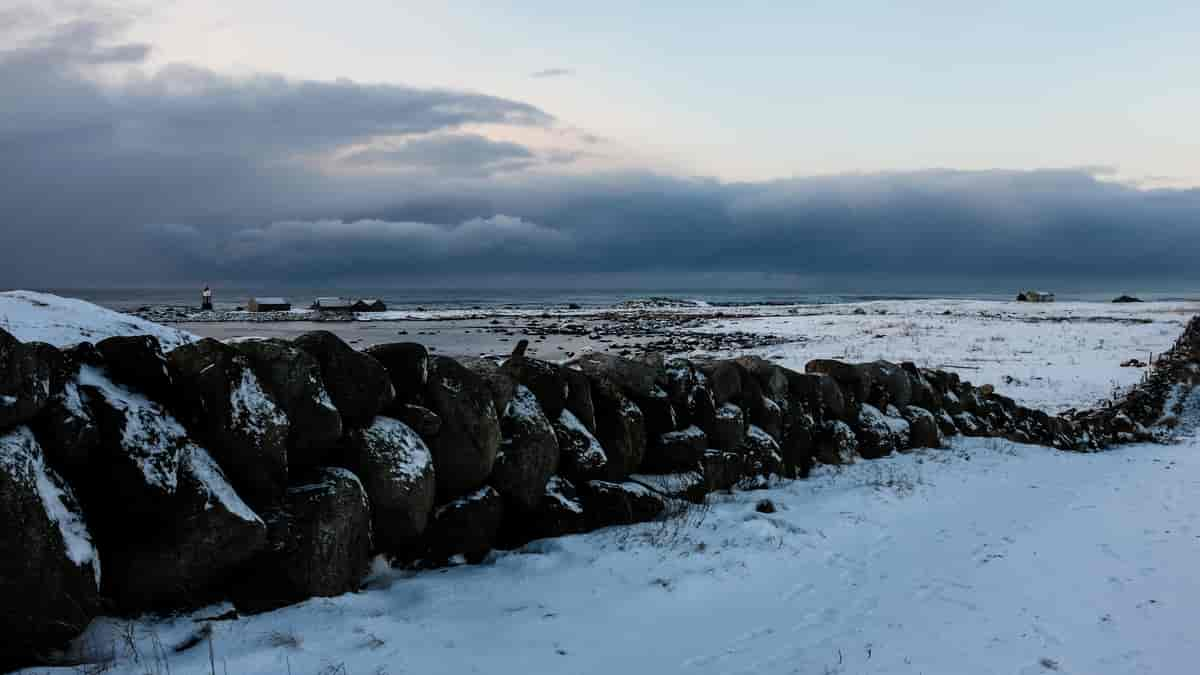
(558, 512)
(293, 379)
(49, 568)
(231, 412)
(70, 431)
(465, 448)
(610, 503)
(407, 364)
(676, 451)
(188, 561)
(923, 426)
(468, 526)
(62, 322)
(546, 380)
(579, 397)
(620, 428)
(762, 452)
(658, 413)
(635, 378)
(136, 467)
(27, 379)
(359, 385)
(319, 543)
(798, 445)
(529, 453)
(498, 380)
(581, 457)
(878, 434)
(836, 443)
(728, 428)
(137, 361)
(396, 468)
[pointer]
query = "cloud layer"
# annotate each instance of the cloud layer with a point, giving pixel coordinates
(118, 175)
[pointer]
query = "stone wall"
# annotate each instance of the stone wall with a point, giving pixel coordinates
(270, 471)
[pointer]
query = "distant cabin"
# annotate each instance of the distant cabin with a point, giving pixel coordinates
(268, 305)
(1035, 296)
(370, 305)
(333, 305)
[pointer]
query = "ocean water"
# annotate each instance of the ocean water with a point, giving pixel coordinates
(228, 298)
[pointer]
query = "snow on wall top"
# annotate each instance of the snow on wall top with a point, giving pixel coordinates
(62, 322)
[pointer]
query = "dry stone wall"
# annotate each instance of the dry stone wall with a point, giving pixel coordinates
(270, 471)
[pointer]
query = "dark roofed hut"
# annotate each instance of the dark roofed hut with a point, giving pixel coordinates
(270, 304)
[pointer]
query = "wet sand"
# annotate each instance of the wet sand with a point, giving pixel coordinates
(470, 337)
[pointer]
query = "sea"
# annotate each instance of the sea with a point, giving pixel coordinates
(399, 298)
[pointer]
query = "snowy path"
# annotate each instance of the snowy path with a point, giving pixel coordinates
(1016, 560)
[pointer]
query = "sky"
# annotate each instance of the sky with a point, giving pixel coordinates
(561, 142)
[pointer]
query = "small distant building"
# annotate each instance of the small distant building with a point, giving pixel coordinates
(369, 305)
(1035, 296)
(268, 305)
(332, 304)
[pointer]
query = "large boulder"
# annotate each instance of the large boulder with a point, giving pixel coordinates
(728, 428)
(579, 397)
(890, 384)
(27, 379)
(465, 448)
(529, 453)
(923, 426)
(49, 568)
(819, 394)
(546, 380)
(396, 468)
(468, 526)
(292, 377)
(137, 361)
(724, 380)
(407, 364)
(722, 469)
(423, 420)
(879, 434)
(684, 384)
(637, 379)
(358, 384)
(69, 430)
(558, 512)
(610, 503)
(762, 453)
(620, 427)
(798, 445)
(836, 443)
(676, 451)
(581, 457)
(658, 413)
(187, 562)
(855, 382)
(499, 381)
(319, 544)
(771, 378)
(230, 412)
(135, 469)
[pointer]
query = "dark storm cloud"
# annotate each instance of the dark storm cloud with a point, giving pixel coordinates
(553, 72)
(186, 174)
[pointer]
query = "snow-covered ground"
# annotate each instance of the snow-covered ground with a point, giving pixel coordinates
(1050, 356)
(985, 558)
(42, 317)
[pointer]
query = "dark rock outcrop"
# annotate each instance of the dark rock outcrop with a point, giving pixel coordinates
(676, 451)
(407, 364)
(529, 453)
(137, 361)
(610, 503)
(292, 377)
(620, 428)
(558, 512)
(498, 380)
(465, 448)
(49, 569)
(423, 420)
(581, 457)
(230, 412)
(358, 384)
(546, 380)
(468, 526)
(27, 379)
(398, 474)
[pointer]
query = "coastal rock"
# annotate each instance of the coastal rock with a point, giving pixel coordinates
(923, 427)
(358, 384)
(762, 453)
(728, 428)
(579, 398)
(889, 384)
(878, 434)
(69, 430)
(423, 420)
(546, 380)
(635, 378)
(188, 562)
(396, 469)
(407, 364)
(529, 453)
(499, 381)
(620, 429)
(27, 379)
(854, 382)
(581, 457)
(557, 513)
(724, 379)
(292, 377)
(49, 568)
(722, 470)
(468, 526)
(771, 378)
(465, 448)
(819, 394)
(676, 451)
(798, 446)
(609, 503)
(319, 544)
(231, 412)
(836, 443)
(658, 413)
(137, 361)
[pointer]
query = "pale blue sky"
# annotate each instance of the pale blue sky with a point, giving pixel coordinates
(758, 90)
